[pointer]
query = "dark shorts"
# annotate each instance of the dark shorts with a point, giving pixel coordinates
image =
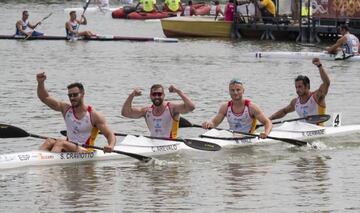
(266, 15)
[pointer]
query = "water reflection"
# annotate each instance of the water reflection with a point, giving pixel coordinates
(311, 180)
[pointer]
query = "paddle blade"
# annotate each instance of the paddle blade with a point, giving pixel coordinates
(86, 5)
(202, 145)
(63, 132)
(290, 141)
(8, 131)
(315, 119)
(183, 123)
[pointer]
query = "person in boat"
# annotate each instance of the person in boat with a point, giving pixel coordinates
(162, 117)
(23, 26)
(82, 121)
(173, 6)
(241, 113)
(189, 9)
(267, 9)
(148, 6)
(229, 11)
(216, 10)
(72, 27)
(347, 45)
(308, 102)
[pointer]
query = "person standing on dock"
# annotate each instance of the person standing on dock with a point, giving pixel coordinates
(241, 113)
(162, 117)
(215, 10)
(308, 102)
(229, 11)
(189, 9)
(347, 45)
(267, 9)
(83, 123)
(72, 27)
(23, 26)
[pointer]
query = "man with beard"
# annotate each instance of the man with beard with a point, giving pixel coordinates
(162, 118)
(307, 103)
(82, 121)
(241, 113)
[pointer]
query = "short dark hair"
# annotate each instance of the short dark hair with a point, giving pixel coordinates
(304, 79)
(156, 86)
(217, 2)
(71, 12)
(25, 11)
(78, 85)
(344, 27)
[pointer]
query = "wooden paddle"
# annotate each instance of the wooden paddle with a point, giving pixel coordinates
(8, 131)
(287, 140)
(195, 144)
(38, 24)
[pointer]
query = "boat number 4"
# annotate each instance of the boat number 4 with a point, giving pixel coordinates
(336, 119)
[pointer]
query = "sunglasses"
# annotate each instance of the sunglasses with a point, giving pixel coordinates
(73, 95)
(235, 81)
(156, 94)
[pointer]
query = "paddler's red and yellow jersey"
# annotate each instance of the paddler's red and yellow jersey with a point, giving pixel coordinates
(81, 131)
(310, 107)
(242, 122)
(162, 125)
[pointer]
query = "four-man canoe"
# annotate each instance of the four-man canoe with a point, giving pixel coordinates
(302, 55)
(96, 38)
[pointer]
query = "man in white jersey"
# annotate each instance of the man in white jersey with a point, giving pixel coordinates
(348, 44)
(308, 102)
(83, 123)
(162, 118)
(23, 26)
(241, 113)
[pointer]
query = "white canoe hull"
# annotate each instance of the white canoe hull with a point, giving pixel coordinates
(300, 55)
(293, 130)
(130, 144)
(91, 9)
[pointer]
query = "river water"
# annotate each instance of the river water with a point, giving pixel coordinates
(268, 178)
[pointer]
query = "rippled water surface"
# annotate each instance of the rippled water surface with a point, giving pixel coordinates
(268, 178)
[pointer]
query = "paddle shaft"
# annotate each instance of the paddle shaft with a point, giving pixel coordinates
(81, 17)
(8, 131)
(287, 140)
(38, 24)
(317, 119)
(136, 156)
(195, 144)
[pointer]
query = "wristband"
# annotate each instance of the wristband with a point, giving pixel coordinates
(319, 65)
